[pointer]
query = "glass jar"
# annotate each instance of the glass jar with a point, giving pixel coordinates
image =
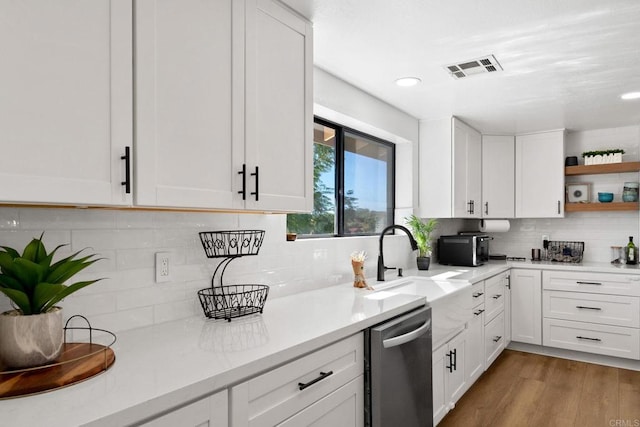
(630, 192)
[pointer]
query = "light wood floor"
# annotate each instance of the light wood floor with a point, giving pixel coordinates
(523, 389)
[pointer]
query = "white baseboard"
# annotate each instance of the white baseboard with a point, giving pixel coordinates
(580, 356)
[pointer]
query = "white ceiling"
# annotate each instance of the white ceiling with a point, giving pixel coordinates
(566, 62)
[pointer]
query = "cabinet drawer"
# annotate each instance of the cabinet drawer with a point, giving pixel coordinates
(493, 339)
(601, 339)
(274, 396)
(494, 297)
(600, 283)
(477, 293)
(603, 309)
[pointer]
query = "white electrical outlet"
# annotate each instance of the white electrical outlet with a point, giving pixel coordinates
(163, 267)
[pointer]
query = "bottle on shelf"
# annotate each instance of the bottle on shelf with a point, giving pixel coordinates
(631, 252)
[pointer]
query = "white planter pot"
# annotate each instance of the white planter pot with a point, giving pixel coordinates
(28, 341)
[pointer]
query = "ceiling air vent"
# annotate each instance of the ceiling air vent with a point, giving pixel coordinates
(486, 64)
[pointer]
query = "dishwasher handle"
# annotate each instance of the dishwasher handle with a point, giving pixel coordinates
(409, 336)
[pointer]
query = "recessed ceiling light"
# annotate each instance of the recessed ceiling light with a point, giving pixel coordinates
(630, 95)
(408, 81)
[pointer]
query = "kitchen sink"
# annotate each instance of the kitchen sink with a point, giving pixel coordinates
(432, 289)
(451, 301)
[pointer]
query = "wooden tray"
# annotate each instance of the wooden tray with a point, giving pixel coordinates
(78, 362)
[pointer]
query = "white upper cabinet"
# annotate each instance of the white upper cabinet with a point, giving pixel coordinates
(223, 105)
(498, 174)
(188, 67)
(450, 170)
(65, 109)
(279, 109)
(540, 175)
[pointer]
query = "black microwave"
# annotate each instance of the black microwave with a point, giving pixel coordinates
(463, 250)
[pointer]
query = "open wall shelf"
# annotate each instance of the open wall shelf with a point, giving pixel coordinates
(600, 169)
(597, 170)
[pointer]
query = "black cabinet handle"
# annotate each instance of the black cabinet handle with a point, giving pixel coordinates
(587, 338)
(497, 338)
(478, 294)
(478, 313)
(243, 172)
(497, 296)
(455, 359)
(322, 376)
(588, 308)
(589, 283)
(486, 208)
(558, 206)
(256, 193)
(450, 356)
(127, 170)
(509, 282)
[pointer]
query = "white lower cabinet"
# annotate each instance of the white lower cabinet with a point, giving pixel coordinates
(475, 364)
(319, 386)
(449, 377)
(342, 408)
(592, 312)
(210, 411)
(526, 306)
(494, 341)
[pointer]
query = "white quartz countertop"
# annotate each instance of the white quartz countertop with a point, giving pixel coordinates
(171, 363)
(476, 274)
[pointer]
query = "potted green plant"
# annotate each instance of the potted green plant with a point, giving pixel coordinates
(32, 333)
(421, 231)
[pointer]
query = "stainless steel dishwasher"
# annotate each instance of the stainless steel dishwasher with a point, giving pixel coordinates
(398, 371)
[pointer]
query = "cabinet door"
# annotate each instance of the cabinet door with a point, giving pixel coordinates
(475, 346)
(344, 407)
(498, 175)
(440, 370)
(208, 412)
(526, 306)
(189, 84)
(467, 167)
(540, 175)
(494, 339)
(457, 380)
(279, 110)
(65, 109)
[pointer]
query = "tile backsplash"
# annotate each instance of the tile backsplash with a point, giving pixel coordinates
(128, 297)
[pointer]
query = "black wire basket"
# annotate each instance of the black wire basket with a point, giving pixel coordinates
(234, 243)
(564, 251)
(227, 302)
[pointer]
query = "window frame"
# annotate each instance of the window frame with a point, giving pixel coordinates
(339, 190)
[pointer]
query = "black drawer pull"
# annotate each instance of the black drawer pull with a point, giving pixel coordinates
(588, 308)
(497, 296)
(478, 313)
(589, 283)
(587, 338)
(497, 338)
(478, 294)
(322, 376)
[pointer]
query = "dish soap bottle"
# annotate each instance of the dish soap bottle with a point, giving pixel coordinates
(631, 252)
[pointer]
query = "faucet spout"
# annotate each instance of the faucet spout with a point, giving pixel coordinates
(381, 266)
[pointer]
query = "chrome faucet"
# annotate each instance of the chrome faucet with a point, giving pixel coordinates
(381, 266)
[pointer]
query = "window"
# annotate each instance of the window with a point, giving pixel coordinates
(353, 182)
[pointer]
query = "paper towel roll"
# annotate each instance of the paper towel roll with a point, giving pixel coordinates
(494, 225)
